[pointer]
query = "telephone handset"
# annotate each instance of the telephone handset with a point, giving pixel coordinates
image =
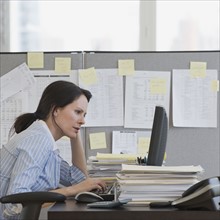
(204, 195)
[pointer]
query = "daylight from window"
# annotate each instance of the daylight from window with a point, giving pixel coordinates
(113, 25)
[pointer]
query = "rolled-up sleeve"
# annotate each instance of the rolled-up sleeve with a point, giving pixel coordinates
(70, 175)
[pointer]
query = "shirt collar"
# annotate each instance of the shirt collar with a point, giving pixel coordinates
(43, 123)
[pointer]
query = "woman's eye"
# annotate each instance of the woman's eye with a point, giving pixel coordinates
(77, 112)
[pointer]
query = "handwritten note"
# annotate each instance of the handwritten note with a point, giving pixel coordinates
(35, 59)
(158, 86)
(215, 85)
(198, 69)
(97, 140)
(143, 145)
(62, 64)
(126, 67)
(88, 76)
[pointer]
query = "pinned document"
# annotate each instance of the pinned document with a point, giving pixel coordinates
(194, 99)
(16, 80)
(124, 142)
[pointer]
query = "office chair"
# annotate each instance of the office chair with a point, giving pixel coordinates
(32, 202)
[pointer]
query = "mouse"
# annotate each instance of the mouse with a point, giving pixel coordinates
(88, 197)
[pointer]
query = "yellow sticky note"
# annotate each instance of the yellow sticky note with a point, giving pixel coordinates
(62, 64)
(158, 86)
(143, 145)
(97, 140)
(198, 69)
(88, 76)
(215, 85)
(35, 59)
(126, 67)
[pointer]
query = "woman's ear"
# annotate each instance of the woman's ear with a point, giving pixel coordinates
(55, 112)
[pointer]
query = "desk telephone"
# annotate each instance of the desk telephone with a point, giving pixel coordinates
(204, 195)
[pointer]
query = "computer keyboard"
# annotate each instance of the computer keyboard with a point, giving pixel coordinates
(108, 194)
(109, 190)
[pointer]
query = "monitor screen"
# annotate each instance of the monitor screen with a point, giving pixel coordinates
(158, 137)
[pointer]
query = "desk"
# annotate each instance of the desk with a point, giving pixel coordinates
(70, 210)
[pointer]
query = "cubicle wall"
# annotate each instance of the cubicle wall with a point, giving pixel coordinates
(185, 146)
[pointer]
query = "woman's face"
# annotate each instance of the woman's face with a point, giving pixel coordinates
(70, 118)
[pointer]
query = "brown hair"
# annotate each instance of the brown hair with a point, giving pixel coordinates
(57, 94)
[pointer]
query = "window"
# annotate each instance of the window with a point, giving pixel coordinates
(188, 25)
(123, 25)
(74, 25)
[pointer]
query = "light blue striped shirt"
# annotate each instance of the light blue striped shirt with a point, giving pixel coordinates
(30, 161)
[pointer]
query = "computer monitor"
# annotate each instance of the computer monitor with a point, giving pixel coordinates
(158, 138)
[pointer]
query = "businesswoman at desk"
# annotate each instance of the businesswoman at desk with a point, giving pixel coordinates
(30, 161)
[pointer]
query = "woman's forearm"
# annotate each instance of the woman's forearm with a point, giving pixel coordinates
(78, 154)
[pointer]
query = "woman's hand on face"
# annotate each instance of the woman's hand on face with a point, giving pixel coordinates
(90, 184)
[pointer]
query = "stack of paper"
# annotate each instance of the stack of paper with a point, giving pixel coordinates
(105, 166)
(145, 184)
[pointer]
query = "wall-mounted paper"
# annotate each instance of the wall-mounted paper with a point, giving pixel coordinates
(144, 91)
(194, 100)
(11, 108)
(35, 59)
(16, 80)
(97, 140)
(124, 142)
(106, 105)
(43, 78)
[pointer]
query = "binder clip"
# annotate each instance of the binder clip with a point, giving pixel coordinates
(142, 161)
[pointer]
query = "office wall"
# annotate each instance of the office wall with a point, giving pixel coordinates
(185, 146)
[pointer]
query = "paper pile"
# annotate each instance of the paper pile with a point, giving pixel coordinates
(145, 184)
(105, 166)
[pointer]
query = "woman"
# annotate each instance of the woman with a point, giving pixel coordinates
(30, 160)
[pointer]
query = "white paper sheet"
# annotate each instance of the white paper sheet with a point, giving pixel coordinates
(194, 99)
(10, 109)
(106, 106)
(43, 79)
(144, 91)
(124, 142)
(15, 81)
